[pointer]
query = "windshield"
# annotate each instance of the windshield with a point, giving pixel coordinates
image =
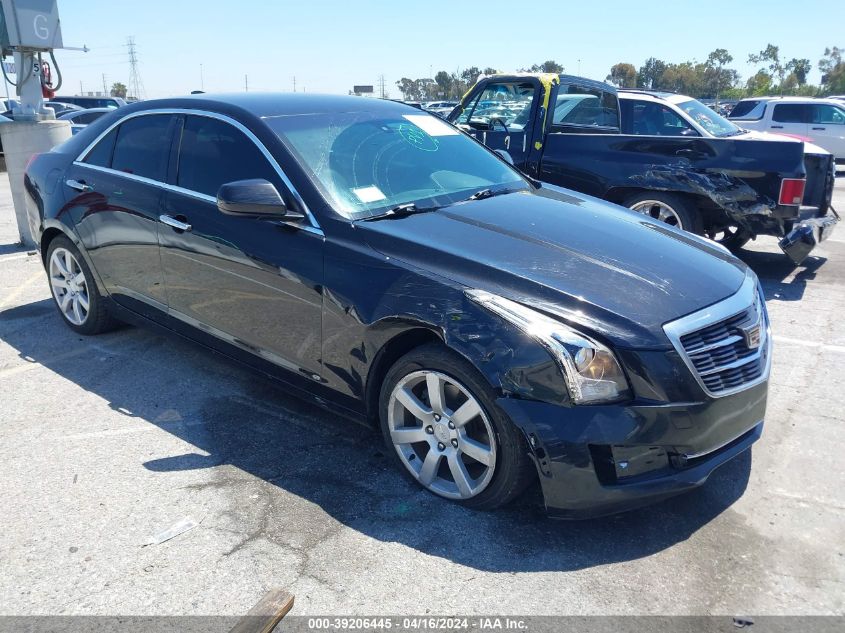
(368, 162)
(713, 123)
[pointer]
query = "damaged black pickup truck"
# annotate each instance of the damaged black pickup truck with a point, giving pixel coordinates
(721, 182)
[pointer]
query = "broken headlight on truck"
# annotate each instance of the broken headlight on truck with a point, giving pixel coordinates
(590, 369)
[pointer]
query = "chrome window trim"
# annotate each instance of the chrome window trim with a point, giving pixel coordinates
(211, 115)
(745, 297)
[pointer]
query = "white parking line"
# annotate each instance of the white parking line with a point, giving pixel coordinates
(797, 341)
(18, 291)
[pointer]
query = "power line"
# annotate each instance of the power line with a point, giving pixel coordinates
(136, 85)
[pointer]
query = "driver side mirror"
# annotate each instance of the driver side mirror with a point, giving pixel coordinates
(256, 198)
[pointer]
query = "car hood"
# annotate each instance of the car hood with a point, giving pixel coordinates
(581, 259)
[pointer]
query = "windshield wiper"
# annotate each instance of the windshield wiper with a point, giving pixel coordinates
(489, 193)
(401, 211)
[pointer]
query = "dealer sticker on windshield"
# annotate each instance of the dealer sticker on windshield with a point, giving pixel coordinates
(369, 194)
(430, 124)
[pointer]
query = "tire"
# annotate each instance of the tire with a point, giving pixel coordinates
(731, 237)
(499, 474)
(72, 285)
(670, 208)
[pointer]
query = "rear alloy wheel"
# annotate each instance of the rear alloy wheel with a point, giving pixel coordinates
(74, 290)
(665, 207)
(70, 288)
(439, 418)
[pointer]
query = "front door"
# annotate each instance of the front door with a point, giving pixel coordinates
(501, 115)
(827, 128)
(116, 195)
(253, 283)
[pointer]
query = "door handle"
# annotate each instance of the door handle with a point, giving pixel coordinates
(819, 128)
(777, 127)
(173, 222)
(79, 185)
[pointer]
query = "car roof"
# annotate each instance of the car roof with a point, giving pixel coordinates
(268, 104)
(653, 96)
(792, 99)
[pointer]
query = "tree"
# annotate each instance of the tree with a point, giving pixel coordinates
(770, 56)
(650, 75)
(549, 66)
(623, 75)
(800, 68)
(444, 83)
(759, 85)
(411, 89)
(118, 90)
(720, 77)
(833, 70)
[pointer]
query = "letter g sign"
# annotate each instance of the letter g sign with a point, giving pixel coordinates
(39, 26)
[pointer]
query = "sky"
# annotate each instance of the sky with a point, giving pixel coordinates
(330, 45)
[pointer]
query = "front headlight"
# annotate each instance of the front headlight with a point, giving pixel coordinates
(592, 373)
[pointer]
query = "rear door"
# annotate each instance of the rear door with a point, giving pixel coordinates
(253, 283)
(827, 128)
(115, 194)
(501, 114)
(790, 118)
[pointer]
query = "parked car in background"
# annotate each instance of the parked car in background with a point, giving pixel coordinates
(440, 108)
(93, 102)
(498, 330)
(568, 131)
(646, 112)
(61, 108)
(80, 118)
(821, 121)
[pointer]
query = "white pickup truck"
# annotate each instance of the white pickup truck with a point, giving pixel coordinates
(821, 121)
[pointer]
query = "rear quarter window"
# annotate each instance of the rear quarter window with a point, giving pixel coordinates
(142, 147)
(748, 110)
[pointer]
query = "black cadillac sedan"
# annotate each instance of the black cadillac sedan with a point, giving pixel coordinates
(376, 260)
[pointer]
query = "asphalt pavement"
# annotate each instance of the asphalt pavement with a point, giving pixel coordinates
(108, 442)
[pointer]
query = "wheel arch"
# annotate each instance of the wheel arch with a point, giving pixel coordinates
(411, 335)
(54, 229)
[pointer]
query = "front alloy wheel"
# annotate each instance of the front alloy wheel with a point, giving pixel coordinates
(441, 434)
(440, 421)
(69, 286)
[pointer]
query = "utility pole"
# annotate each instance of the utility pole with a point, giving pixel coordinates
(246, 83)
(294, 83)
(579, 67)
(382, 92)
(105, 90)
(80, 88)
(136, 86)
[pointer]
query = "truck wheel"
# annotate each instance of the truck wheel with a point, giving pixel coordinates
(731, 237)
(439, 420)
(668, 208)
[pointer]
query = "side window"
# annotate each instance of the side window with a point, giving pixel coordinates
(790, 113)
(143, 146)
(746, 110)
(213, 153)
(101, 153)
(585, 107)
(828, 114)
(655, 119)
(509, 103)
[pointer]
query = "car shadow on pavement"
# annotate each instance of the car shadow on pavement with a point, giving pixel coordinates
(773, 270)
(237, 419)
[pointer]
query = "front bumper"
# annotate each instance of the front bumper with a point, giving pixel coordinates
(599, 460)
